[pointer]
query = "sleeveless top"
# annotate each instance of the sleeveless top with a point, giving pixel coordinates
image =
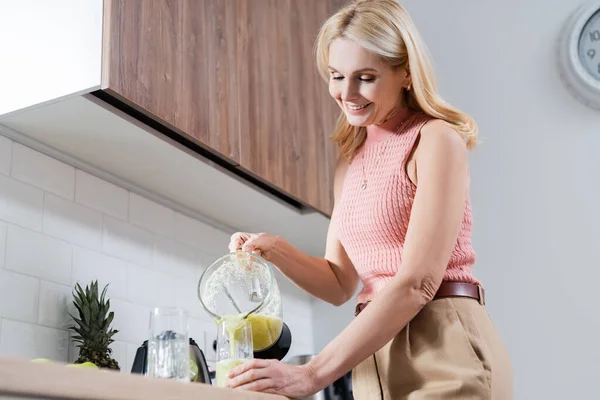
(372, 221)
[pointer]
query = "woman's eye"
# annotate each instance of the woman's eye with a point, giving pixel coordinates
(367, 78)
(337, 77)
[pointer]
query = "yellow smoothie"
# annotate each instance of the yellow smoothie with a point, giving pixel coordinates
(223, 367)
(265, 330)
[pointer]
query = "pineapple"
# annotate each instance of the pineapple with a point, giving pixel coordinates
(93, 327)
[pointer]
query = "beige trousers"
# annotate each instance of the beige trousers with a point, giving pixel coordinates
(450, 350)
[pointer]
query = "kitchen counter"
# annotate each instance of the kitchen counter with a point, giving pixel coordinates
(24, 379)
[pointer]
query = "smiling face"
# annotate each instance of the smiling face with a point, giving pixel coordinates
(366, 88)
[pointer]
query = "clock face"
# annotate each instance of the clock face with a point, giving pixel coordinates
(589, 46)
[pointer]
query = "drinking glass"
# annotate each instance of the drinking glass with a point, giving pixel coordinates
(234, 346)
(168, 345)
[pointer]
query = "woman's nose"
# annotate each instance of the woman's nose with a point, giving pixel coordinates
(349, 91)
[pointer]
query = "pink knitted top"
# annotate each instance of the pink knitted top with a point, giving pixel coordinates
(372, 221)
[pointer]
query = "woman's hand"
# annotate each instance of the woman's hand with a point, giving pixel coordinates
(275, 377)
(259, 243)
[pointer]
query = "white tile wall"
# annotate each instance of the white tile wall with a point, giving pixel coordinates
(194, 233)
(20, 203)
(54, 305)
(150, 288)
(5, 155)
(131, 320)
(72, 222)
(3, 228)
(19, 296)
(150, 215)
(38, 255)
(127, 241)
(175, 258)
(39, 170)
(20, 339)
(90, 265)
(60, 226)
(100, 195)
(187, 296)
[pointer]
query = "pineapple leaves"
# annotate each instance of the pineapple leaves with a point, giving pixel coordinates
(111, 315)
(92, 328)
(103, 294)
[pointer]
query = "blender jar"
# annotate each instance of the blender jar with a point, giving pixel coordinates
(241, 285)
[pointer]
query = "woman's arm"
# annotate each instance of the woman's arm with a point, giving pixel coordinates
(436, 216)
(332, 278)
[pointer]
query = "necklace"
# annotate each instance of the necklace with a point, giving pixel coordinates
(364, 182)
(363, 186)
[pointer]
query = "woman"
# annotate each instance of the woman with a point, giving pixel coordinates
(401, 225)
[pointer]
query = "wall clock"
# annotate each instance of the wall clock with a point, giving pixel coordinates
(579, 54)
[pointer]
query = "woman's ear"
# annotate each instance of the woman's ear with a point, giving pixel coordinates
(407, 76)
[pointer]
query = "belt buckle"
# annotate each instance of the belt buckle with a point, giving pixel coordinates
(360, 307)
(480, 293)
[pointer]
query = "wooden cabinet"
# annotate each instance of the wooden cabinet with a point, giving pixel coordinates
(235, 76)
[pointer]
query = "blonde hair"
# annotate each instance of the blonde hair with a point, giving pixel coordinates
(385, 28)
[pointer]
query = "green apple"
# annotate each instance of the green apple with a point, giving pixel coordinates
(41, 360)
(86, 364)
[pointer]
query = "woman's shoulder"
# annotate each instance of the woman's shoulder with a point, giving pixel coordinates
(438, 136)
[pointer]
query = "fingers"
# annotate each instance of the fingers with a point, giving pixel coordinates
(261, 385)
(252, 245)
(237, 240)
(258, 243)
(250, 374)
(252, 364)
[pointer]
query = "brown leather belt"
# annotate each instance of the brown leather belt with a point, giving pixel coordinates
(448, 289)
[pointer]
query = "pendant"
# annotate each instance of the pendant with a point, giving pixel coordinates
(364, 185)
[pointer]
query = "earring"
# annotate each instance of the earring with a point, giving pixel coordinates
(408, 87)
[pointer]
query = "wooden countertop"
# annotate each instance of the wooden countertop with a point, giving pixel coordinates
(55, 381)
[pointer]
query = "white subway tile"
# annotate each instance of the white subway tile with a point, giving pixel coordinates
(299, 349)
(20, 203)
(200, 235)
(175, 259)
(20, 339)
(119, 354)
(72, 222)
(297, 305)
(72, 349)
(209, 338)
(199, 331)
(19, 296)
(34, 254)
(302, 335)
(89, 265)
(5, 155)
(3, 228)
(101, 195)
(54, 305)
(47, 173)
(150, 215)
(204, 260)
(150, 288)
(131, 320)
(187, 298)
(127, 242)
